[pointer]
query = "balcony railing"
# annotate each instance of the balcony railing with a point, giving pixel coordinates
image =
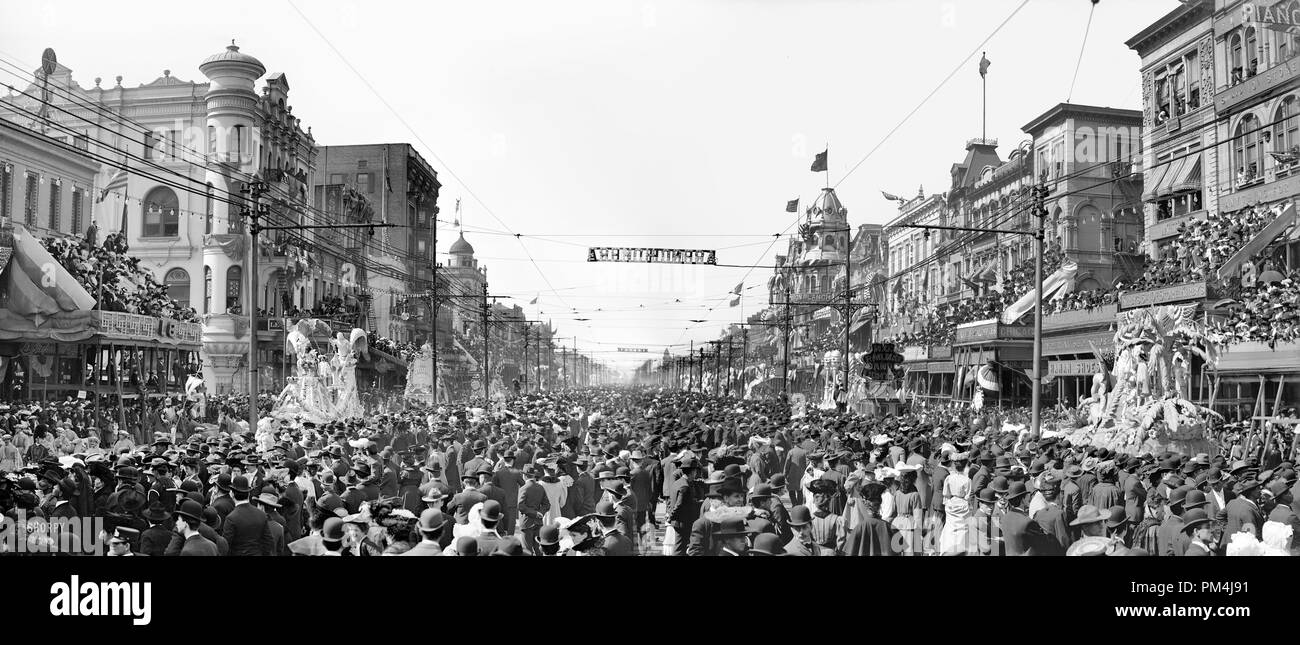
(990, 330)
(1095, 317)
(1187, 291)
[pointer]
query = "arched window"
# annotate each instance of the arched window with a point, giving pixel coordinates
(161, 213)
(234, 287)
(1252, 52)
(1247, 156)
(178, 286)
(1286, 132)
(207, 290)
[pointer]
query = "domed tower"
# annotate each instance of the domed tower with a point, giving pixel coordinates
(462, 253)
(827, 226)
(232, 112)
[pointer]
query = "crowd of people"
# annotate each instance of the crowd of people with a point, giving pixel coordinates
(115, 278)
(618, 472)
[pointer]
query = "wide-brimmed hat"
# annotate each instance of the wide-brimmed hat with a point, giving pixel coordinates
(268, 497)
(1194, 499)
(1089, 514)
(1117, 517)
(1245, 485)
(156, 512)
(732, 526)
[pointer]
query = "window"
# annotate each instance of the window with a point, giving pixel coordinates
(81, 142)
(1286, 132)
(161, 213)
(365, 183)
(32, 194)
(78, 205)
(56, 203)
(338, 178)
(1247, 151)
(237, 142)
(178, 286)
(174, 145)
(149, 143)
(1236, 70)
(207, 290)
(207, 210)
(1252, 53)
(6, 190)
(234, 287)
(212, 139)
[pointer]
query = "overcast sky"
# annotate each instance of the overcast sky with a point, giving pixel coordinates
(604, 122)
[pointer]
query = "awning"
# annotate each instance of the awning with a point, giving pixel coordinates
(986, 273)
(1174, 169)
(1152, 179)
(1063, 278)
(1188, 177)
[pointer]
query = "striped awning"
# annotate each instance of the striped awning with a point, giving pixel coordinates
(1152, 179)
(1188, 177)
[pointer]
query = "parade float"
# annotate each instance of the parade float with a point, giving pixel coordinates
(1141, 405)
(324, 387)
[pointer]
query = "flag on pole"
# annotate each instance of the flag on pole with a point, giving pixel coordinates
(792, 206)
(533, 301)
(892, 197)
(739, 286)
(116, 182)
(819, 162)
(984, 65)
(735, 302)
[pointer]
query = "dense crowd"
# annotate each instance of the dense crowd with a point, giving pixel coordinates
(115, 279)
(636, 472)
(1265, 312)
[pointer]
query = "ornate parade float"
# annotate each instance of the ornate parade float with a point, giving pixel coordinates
(1142, 404)
(324, 387)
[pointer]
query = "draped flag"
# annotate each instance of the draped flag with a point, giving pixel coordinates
(735, 302)
(988, 378)
(792, 206)
(533, 301)
(984, 65)
(892, 197)
(1062, 279)
(819, 162)
(116, 182)
(38, 285)
(739, 286)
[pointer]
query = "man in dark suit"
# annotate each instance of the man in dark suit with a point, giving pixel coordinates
(1051, 518)
(642, 478)
(490, 516)
(1071, 493)
(154, 540)
(268, 502)
(492, 491)
(509, 479)
(477, 461)
(796, 462)
(223, 502)
(1021, 535)
(463, 501)
(1281, 512)
(247, 529)
(1135, 499)
(189, 517)
(533, 505)
(684, 505)
(1169, 540)
(1243, 511)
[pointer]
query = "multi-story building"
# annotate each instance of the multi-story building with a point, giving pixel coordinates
(1180, 140)
(189, 150)
(402, 188)
(910, 290)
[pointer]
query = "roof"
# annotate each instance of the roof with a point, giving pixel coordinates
(1062, 111)
(461, 247)
(1156, 33)
(978, 155)
(828, 203)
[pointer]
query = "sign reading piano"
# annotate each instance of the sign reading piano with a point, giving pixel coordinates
(651, 255)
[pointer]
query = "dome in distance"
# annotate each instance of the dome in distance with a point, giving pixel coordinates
(461, 247)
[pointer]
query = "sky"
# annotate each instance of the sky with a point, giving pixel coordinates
(675, 124)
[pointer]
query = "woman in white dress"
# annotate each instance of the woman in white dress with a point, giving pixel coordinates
(956, 491)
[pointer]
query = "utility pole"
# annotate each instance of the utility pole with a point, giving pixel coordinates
(528, 332)
(254, 209)
(701, 363)
(785, 364)
(690, 368)
(730, 381)
(485, 343)
(1036, 402)
(744, 358)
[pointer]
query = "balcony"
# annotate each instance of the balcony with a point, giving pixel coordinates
(1247, 87)
(1097, 317)
(1257, 358)
(984, 331)
(1259, 192)
(1125, 171)
(1168, 227)
(1188, 291)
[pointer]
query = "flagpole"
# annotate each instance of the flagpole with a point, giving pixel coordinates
(984, 103)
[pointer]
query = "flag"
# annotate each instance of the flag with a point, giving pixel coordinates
(792, 206)
(38, 285)
(819, 163)
(533, 301)
(739, 286)
(890, 197)
(1062, 279)
(984, 65)
(116, 182)
(988, 379)
(735, 302)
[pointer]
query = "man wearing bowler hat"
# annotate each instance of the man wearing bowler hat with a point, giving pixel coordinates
(1243, 511)
(431, 528)
(247, 529)
(189, 517)
(533, 506)
(1197, 525)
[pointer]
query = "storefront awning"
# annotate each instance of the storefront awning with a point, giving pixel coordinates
(1188, 177)
(1153, 179)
